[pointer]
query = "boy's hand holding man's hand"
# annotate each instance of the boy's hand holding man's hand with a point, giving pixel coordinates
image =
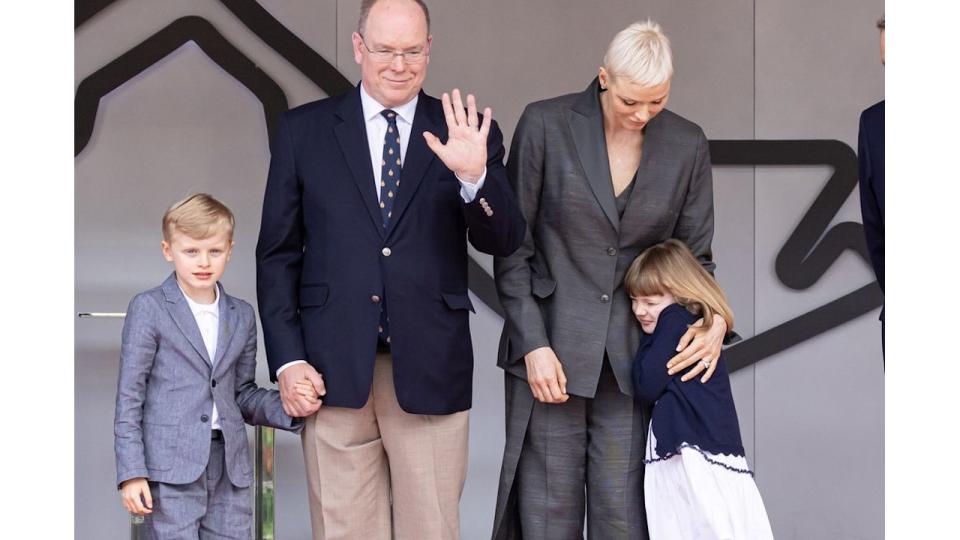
(296, 402)
(131, 492)
(305, 388)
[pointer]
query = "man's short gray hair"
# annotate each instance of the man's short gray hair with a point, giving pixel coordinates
(366, 5)
(641, 54)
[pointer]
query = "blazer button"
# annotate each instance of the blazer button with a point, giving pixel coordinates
(386, 252)
(611, 251)
(604, 298)
(213, 383)
(204, 418)
(375, 299)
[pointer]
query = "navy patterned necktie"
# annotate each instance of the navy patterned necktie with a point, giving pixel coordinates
(390, 167)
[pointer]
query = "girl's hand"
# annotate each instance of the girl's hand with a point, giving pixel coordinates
(305, 388)
(131, 492)
(699, 347)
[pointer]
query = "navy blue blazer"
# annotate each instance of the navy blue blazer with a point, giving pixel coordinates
(325, 261)
(871, 183)
(691, 413)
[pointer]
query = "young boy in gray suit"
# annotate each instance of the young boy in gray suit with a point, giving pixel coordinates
(186, 387)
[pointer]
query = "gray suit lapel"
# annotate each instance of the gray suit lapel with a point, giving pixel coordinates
(586, 125)
(177, 306)
(648, 177)
(227, 326)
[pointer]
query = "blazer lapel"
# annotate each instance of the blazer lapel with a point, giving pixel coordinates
(416, 161)
(177, 306)
(586, 125)
(227, 326)
(647, 177)
(351, 134)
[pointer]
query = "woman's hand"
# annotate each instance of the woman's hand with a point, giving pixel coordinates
(545, 376)
(699, 347)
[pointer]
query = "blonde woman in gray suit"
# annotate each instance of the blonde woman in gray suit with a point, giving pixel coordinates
(600, 176)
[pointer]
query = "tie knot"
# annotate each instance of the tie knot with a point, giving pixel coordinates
(390, 115)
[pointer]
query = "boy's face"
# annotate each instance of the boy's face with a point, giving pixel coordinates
(647, 309)
(199, 264)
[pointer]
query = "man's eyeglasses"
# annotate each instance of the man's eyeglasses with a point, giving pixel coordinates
(387, 56)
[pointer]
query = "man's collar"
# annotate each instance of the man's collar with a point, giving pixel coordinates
(372, 107)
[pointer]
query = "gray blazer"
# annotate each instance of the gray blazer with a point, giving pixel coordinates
(167, 388)
(564, 287)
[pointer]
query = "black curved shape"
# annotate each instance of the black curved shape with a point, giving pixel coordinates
(799, 329)
(803, 260)
(289, 46)
(155, 48)
(84, 10)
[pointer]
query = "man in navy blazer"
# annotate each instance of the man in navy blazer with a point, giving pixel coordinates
(362, 279)
(871, 144)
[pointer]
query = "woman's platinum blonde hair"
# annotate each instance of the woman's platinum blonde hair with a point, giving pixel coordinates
(641, 54)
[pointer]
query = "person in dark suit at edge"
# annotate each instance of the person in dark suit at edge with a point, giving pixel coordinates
(362, 281)
(870, 149)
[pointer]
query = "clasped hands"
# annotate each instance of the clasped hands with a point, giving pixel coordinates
(465, 152)
(699, 347)
(301, 389)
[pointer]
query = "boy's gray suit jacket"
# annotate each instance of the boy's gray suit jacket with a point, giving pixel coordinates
(168, 385)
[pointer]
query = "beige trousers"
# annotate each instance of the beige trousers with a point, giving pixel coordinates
(380, 473)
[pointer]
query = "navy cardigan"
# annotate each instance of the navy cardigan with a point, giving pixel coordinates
(685, 413)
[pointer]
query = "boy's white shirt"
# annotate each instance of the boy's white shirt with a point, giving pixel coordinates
(208, 320)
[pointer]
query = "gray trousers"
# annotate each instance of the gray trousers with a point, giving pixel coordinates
(209, 508)
(583, 453)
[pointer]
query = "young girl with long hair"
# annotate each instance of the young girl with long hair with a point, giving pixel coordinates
(697, 484)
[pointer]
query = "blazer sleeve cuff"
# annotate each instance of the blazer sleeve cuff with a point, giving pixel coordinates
(123, 476)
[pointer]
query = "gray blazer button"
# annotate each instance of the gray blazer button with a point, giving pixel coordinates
(604, 298)
(611, 251)
(386, 252)
(213, 383)
(204, 418)
(375, 299)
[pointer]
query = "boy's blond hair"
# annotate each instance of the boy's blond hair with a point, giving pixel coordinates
(670, 267)
(199, 216)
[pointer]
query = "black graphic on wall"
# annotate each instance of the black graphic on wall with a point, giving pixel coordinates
(808, 253)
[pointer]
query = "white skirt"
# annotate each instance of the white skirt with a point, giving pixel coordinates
(692, 495)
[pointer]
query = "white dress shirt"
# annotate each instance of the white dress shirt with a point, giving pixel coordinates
(376, 131)
(208, 320)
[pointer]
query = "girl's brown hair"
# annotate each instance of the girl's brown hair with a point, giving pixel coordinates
(670, 267)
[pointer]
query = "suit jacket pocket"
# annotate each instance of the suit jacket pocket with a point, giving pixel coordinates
(160, 445)
(314, 295)
(458, 301)
(542, 287)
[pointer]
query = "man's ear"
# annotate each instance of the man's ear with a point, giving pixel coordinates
(357, 47)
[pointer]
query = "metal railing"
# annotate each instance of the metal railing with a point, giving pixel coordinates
(262, 471)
